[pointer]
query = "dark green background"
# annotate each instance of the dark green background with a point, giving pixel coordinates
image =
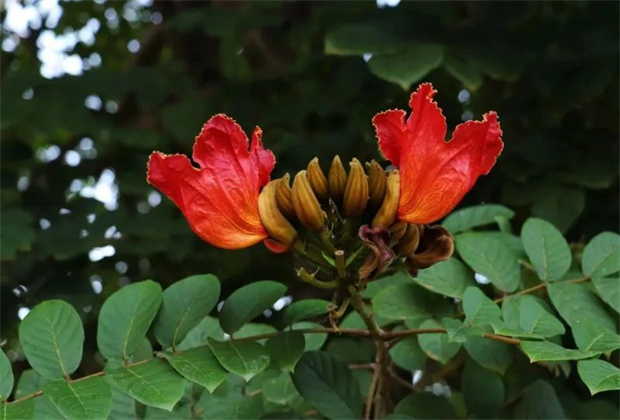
(550, 70)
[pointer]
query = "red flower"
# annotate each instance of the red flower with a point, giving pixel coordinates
(435, 174)
(220, 198)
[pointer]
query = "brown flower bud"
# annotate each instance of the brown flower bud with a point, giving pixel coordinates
(337, 179)
(307, 207)
(276, 225)
(376, 183)
(436, 244)
(397, 230)
(356, 191)
(317, 180)
(387, 212)
(284, 197)
(409, 242)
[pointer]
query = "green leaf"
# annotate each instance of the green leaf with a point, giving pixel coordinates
(402, 301)
(123, 406)
(448, 278)
(408, 355)
(198, 365)
(286, 349)
(248, 302)
(409, 65)
(329, 385)
(464, 71)
(304, 309)
(424, 406)
(560, 205)
(125, 318)
(459, 332)
(547, 351)
(535, 320)
(29, 382)
(376, 286)
(483, 391)
(599, 375)
(539, 402)
(279, 389)
(475, 216)
(576, 303)
(185, 303)
(314, 341)
(243, 358)
(360, 40)
(6, 376)
(52, 337)
(490, 257)
(437, 346)
(228, 402)
(478, 308)
(608, 289)
(546, 248)
(253, 329)
(590, 336)
(17, 411)
(153, 383)
(490, 354)
(89, 398)
(197, 336)
(601, 256)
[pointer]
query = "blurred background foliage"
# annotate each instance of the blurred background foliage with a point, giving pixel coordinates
(89, 89)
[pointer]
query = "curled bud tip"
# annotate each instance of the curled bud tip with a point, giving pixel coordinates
(276, 225)
(356, 191)
(317, 180)
(284, 197)
(389, 208)
(337, 179)
(307, 207)
(376, 183)
(409, 242)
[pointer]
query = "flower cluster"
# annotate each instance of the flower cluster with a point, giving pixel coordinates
(357, 222)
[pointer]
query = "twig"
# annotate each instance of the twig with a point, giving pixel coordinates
(541, 286)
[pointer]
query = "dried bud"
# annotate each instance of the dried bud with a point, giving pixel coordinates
(381, 255)
(284, 197)
(398, 230)
(356, 191)
(337, 179)
(376, 183)
(387, 213)
(409, 242)
(317, 180)
(276, 225)
(307, 207)
(436, 244)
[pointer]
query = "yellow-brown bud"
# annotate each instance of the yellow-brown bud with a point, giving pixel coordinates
(376, 183)
(356, 191)
(317, 180)
(437, 245)
(284, 197)
(398, 230)
(276, 225)
(387, 212)
(307, 207)
(337, 178)
(409, 242)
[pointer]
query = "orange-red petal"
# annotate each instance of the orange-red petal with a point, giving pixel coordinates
(220, 198)
(435, 174)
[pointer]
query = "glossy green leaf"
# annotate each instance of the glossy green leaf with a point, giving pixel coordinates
(6, 376)
(409, 65)
(490, 354)
(254, 329)
(123, 406)
(448, 278)
(601, 256)
(314, 341)
(359, 40)
(376, 286)
(437, 346)
(547, 351)
(424, 406)
(17, 411)
(197, 336)
(478, 308)
(591, 336)
(475, 216)
(608, 289)
(248, 302)
(89, 398)
(285, 349)
(464, 71)
(535, 320)
(400, 302)
(546, 248)
(243, 358)
(407, 354)
(539, 402)
(599, 375)
(30, 382)
(329, 385)
(304, 309)
(459, 332)
(490, 257)
(52, 337)
(279, 389)
(198, 365)
(575, 303)
(483, 391)
(154, 383)
(185, 303)
(125, 318)
(228, 402)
